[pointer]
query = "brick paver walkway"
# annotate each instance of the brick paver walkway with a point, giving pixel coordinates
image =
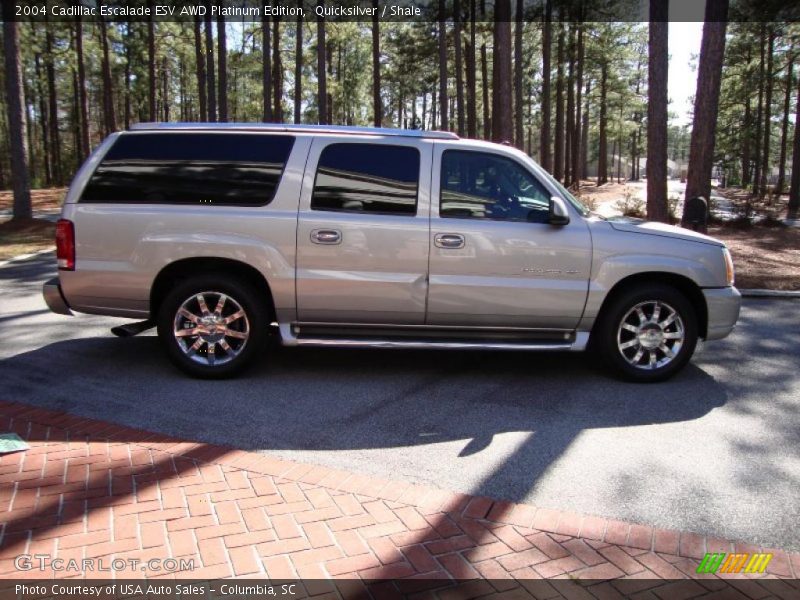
(89, 489)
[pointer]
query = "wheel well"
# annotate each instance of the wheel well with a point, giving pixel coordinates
(188, 267)
(683, 284)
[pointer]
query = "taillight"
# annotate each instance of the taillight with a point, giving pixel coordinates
(65, 244)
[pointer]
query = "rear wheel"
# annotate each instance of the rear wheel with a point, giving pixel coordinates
(212, 326)
(648, 333)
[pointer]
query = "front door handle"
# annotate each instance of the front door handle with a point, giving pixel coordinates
(326, 236)
(449, 240)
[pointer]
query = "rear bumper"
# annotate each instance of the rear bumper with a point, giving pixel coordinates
(723, 310)
(54, 298)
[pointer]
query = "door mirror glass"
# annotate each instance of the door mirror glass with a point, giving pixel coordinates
(559, 214)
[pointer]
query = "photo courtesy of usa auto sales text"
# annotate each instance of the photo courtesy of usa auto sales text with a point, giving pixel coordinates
(130, 589)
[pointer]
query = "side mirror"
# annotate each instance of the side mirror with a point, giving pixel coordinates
(559, 213)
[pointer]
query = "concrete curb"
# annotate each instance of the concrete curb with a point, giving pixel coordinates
(769, 294)
(20, 257)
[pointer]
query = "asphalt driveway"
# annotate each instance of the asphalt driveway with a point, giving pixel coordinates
(716, 450)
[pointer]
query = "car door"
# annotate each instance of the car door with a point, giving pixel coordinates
(362, 232)
(495, 259)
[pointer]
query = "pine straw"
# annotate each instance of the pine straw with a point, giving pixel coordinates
(49, 199)
(25, 236)
(764, 257)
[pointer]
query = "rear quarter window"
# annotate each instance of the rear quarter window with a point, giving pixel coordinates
(367, 178)
(190, 168)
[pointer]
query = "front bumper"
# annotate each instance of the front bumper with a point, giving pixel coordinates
(723, 310)
(54, 298)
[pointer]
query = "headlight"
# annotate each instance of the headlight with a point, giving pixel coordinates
(728, 266)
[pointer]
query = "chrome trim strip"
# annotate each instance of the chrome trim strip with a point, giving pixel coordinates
(344, 343)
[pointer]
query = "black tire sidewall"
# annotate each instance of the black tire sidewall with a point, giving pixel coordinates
(254, 307)
(619, 307)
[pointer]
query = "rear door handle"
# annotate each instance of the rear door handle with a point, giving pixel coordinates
(326, 236)
(449, 240)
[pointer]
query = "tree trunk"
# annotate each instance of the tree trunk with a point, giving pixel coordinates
(328, 95)
(519, 130)
(377, 103)
(55, 136)
(558, 152)
(765, 168)
(709, 77)
(200, 69)
(472, 91)
(151, 65)
(222, 69)
(487, 118)
(459, 66)
(277, 71)
(266, 70)
(165, 88)
(210, 77)
(443, 67)
(577, 161)
(322, 83)
(585, 132)
(108, 98)
(658, 58)
(747, 123)
(787, 99)
(128, 63)
(44, 125)
(15, 102)
(794, 187)
(544, 141)
(760, 111)
(602, 152)
(298, 66)
(570, 114)
(502, 126)
(83, 100)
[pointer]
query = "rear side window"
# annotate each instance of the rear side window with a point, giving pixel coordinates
(367, 178)
(190, 168)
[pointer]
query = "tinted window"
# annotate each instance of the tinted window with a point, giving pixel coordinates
(190, 168)
(478, 185)
(370, 178)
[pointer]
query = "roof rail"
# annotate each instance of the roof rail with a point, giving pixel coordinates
(341, 129)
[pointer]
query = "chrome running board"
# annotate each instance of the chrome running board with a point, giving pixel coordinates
(289, 338)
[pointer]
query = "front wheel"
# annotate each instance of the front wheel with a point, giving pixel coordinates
(212, 326)
(648, 333)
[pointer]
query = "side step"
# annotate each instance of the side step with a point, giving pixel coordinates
(289, 338)
(132, 329)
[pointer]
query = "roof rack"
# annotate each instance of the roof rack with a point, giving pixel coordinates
(367, 131)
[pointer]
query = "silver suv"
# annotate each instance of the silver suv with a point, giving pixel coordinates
(343, 236)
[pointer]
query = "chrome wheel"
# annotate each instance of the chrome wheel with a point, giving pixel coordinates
(650, 335)
(208, 336)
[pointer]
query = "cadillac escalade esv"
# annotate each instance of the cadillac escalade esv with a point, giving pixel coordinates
(345, 236)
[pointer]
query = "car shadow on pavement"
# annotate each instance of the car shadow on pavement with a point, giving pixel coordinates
(301, 400)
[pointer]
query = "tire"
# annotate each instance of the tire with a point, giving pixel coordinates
(638, 347)
(216, 344)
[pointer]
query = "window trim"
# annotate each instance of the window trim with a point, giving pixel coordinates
(498, 155)
(413, 214)
(122, 135)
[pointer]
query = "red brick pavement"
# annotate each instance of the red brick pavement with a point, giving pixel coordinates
(91, 489)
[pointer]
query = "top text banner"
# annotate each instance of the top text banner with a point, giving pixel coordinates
(382, 10)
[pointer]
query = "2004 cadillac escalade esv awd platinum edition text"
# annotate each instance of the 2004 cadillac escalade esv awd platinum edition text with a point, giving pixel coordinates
(219, 235)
